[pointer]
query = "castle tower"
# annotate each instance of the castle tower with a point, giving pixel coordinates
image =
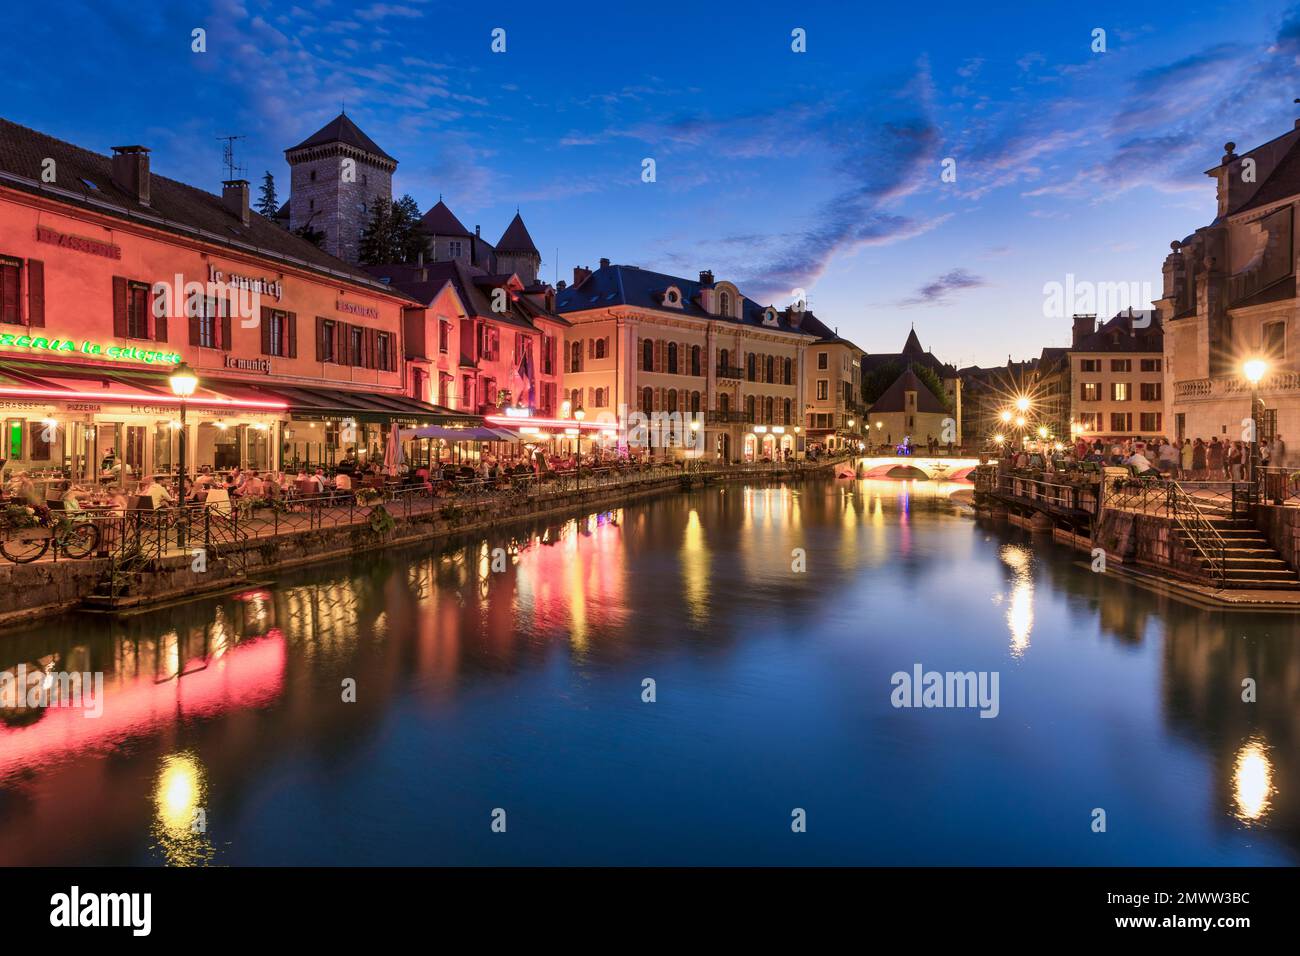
(516, 252)
(336, 175)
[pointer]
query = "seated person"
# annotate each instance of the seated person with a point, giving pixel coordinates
(318, 479)
(343, 481)
(155, 492)
(1141, 465)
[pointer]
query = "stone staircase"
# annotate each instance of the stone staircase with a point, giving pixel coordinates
(1247, 559)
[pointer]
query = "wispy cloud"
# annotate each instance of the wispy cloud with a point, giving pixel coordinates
(940, 290)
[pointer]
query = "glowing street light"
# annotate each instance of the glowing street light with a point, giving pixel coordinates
(1022, 403)
(1254, 370)
(1006, 415)
(183, 382)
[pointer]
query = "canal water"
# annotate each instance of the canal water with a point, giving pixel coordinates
(771, 621)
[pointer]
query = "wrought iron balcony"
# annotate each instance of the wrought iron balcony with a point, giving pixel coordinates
(730, 417)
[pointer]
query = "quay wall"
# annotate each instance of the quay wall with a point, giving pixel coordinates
(46, 588)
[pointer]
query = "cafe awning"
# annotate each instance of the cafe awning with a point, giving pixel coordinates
(458, 434)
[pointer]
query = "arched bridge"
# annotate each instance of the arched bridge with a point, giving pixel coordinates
(915, 466)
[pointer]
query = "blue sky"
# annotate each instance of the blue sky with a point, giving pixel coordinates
(778, 170)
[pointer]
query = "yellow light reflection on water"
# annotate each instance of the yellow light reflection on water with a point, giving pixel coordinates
(695, 569)
(1020, 607)
(1252, 781)
(180, 820)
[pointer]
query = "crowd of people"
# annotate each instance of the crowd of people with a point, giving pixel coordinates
(1192, 459)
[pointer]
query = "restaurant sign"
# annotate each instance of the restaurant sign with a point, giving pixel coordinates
(119, 353)
(355, 308)
(95, 247)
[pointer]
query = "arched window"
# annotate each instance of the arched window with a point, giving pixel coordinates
(785, 416)
(647, 400)
(771, 369)
(724, 403)
(724, 303)
(768, 409)
(695, 403)
(647, 355)
(749, 408)
(695, 360)
(672, 399)
(789, 372)
(575, 357)
(751, 366)
(600, 348)
(722, 362)
(672, 358)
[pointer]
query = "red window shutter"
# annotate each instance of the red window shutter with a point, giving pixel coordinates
(161, 304)
(9, 293)
(340, 343)
(372, 357)
(291, 321)
(119, 307)
(36, 293)
(223, 307)
(320, 339)
(193, 304)
(266, 330)
(659, 355)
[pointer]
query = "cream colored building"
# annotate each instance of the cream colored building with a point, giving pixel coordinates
(1117, 376)
(1230, 295)
(652, 343)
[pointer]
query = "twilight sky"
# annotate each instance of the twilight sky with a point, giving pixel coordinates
(778, 170)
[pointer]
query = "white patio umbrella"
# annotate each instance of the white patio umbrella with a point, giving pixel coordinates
(393, 451)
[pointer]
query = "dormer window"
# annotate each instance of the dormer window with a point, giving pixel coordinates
(724, 304)
(673, 297)
(769, 316)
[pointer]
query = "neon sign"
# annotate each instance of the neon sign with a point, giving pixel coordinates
(120, 353)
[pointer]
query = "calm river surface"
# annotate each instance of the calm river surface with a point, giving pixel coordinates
(522, 690)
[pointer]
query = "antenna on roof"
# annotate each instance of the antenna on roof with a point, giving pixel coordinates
(228, 157)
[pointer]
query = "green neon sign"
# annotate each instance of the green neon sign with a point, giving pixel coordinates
(119, 353)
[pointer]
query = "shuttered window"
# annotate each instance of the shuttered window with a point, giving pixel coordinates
(11, 291)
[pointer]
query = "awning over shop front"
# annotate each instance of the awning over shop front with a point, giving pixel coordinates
(458, 434)
(50, 381)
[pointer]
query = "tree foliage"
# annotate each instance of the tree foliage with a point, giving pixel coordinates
(876, 382)
(394, 233)
(267, 205)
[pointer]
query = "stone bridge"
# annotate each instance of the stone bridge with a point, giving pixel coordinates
(916, 466)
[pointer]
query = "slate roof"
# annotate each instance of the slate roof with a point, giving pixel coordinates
(341, 129)
(441, 221)
(85, 180)
(516, 238)
(643, 289)
(893, 398)
(824, 333)
(472, 285)
(1118, 335)
(912, 352)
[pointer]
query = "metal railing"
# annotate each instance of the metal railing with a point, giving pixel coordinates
(1205, 538)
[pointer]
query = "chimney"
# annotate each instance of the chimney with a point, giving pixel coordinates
(478, 232)
(1084, 325)
(561, 286)
(131, 171)
(706, 277)
(604, 263)
(234, 195)
(580, 274)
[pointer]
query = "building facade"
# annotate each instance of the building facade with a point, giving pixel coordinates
(1229, 296)
(483, 344)
(652, 343)
(1118, 375)
(880, 370)
(834, 416)
(110, 276)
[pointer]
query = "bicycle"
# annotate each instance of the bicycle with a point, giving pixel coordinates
(26, 534)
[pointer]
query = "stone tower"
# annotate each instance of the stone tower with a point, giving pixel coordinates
(336, 175)
(516, 252)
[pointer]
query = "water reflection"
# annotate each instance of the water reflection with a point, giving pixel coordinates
(513, 661)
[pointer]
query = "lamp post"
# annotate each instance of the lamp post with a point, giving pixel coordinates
(1254, 370)
(183, 382)
(578, 416)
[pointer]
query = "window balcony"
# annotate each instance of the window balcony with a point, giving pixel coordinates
(730, 417)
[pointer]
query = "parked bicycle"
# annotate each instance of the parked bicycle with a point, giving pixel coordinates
(26, 533)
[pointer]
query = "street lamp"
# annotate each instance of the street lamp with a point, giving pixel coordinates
(1254, 370)
(578, 416)
(183, 382)
(1022, 403)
